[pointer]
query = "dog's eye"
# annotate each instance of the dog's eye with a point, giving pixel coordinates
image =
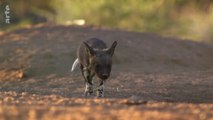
(98, 67)
(108, 66)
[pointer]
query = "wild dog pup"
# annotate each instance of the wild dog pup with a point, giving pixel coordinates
(95, 59)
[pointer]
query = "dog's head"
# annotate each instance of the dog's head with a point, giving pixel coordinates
(101, 60)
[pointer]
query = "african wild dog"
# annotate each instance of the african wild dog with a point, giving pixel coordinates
(95, 59)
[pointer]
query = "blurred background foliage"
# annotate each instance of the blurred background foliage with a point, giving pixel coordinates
(186, 19)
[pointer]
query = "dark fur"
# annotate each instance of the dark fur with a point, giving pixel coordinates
(95, 60)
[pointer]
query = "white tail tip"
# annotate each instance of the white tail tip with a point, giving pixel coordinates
(74, 64)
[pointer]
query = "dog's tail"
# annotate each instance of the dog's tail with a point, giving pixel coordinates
(74, 64)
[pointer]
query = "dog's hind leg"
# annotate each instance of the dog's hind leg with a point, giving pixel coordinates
(88, 80)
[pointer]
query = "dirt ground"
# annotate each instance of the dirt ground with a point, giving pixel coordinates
(153, 78)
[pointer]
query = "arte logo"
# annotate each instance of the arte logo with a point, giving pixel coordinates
(7, 14)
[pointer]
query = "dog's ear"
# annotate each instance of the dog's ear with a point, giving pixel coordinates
(89, 49)
(112, 48)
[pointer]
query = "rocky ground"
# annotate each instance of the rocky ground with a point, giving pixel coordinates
(152, 77)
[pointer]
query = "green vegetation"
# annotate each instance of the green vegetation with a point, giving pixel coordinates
(187, 19)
